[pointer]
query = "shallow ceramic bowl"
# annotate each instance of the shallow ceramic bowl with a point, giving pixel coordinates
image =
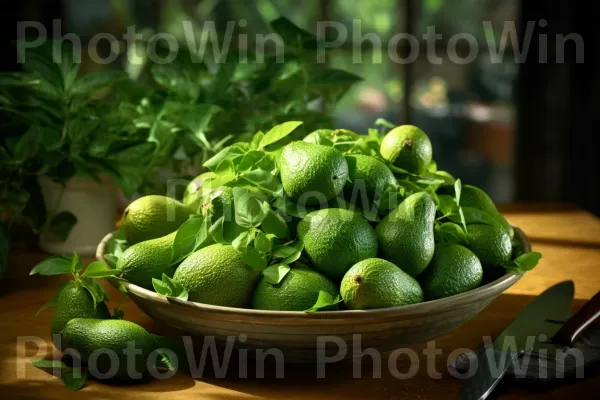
(297, 334)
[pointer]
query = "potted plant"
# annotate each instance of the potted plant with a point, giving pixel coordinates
(67, 144)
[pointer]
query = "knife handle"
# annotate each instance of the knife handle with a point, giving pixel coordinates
(569, 332)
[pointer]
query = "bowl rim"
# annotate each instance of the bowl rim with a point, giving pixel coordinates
(483, 292)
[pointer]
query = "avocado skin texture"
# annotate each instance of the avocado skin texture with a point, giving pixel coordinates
(491, 244)
(474, 197)
(217, 275)
(312, 173)
(367, 174)
(454, 269)
(335, 239)
(408, 147)
(298, 291)
(152, 217)
(74, 301)
(377, 283)
(406, 235)
(146, 260)
(87, 335)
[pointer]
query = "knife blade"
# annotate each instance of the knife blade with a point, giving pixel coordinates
(544, 315)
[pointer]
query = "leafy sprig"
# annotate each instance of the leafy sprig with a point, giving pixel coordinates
(73, 265)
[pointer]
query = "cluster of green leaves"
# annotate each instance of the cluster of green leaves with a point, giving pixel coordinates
(87, 279)
(57, 122)
(253, 226)
(74, 379)
(196, 105)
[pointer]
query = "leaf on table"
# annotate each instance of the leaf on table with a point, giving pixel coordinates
(74, 379)
(48, 364)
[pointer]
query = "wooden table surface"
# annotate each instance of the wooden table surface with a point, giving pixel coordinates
(568, 238)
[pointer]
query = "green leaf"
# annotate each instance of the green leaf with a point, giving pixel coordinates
(450, 233)
(273, 223)
(232, 151)
(262, 243)
(61, 224)
(96, 291)
(169, 288)
(243, 240)
(289, 253)
(248, 209)
(474, 216)
(189, 237)
(457, 190)
(292, 35)
(224, 231)
(249, 160)
(48, 364)
(98, 269)
(256, 139)
(53, 266)
(225, 172)
(74, 379)
(264, 180)
(447, 205)
(76, 263)
(525, 262)
(111, 260)
(325, 302)
(275, 273)
(279, 132)
(95, 81)
(253, 258)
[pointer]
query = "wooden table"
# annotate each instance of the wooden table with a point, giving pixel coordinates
(568, 238)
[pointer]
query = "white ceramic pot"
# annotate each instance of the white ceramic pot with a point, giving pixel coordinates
(93, 203)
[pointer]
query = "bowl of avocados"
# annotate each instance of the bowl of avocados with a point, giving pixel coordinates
(297, 245)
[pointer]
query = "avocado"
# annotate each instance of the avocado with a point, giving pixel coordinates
(152, 217)
(454, 269)
(334, 239)
(406, 235)
(492, 245)
(75, 301)
(377, 283)
(146, 260)
(407, 147)
(369, 175)
(107, 338)
(312, 174)
(217, 275)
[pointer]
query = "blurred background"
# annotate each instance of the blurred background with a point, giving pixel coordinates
(522, 132)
